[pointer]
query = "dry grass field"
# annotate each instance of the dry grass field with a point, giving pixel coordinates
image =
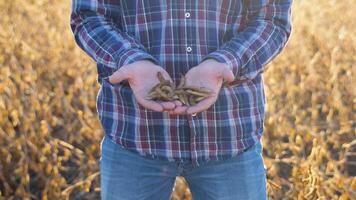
(50, 132)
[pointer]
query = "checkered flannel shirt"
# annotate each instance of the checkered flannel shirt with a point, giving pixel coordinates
(178, 35)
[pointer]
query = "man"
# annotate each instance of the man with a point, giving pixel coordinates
(214, 144)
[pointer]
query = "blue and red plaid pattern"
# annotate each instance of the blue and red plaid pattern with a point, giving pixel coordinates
(178, 35)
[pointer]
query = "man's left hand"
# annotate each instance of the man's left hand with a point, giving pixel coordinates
(209, 74)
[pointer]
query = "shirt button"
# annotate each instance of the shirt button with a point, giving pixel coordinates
(189, 49)
(187, 15)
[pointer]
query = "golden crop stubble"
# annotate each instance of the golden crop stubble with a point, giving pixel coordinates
(166, 91)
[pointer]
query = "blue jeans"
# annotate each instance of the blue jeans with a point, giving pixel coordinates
(126, 175)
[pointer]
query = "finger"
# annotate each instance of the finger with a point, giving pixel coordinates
(171, 112)
(118, 76)
(201, 106)
(228, 75)
(178, 103)
(167, 105)
(150, 104)
(180, 110)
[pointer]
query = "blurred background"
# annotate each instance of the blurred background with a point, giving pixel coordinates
(50, 132)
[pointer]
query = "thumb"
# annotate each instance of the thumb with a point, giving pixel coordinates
(228, 75)
(118, 76)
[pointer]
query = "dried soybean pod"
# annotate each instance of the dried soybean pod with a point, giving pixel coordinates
(192, 100)
(197, 93)
(172, 85)
(152, 96)
(161, 93)
(182, 81)
(204, 90)
(198, 99)
(171, 95)
(187, 87)
(160, 77)
(165, 98)
(166, 83)
(182, 99)
(155, 87)
(153, 90)
(185, 100)
(180, 91)
(201, 89)
(167, 88)
(152, 93)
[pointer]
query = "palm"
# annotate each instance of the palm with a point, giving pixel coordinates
(210, 75)
(142, 76)
(141, 86)
(210, 81)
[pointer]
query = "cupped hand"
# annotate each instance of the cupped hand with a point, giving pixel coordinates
(142, 77)
(209, 74)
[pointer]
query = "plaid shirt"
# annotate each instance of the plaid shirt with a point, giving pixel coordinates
(178, 35)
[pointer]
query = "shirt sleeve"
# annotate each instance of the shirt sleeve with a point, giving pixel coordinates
(95, 26)
(261, 35)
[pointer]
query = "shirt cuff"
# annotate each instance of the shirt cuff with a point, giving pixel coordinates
(134, 55)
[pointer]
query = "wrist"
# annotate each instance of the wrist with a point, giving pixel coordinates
(217, 67)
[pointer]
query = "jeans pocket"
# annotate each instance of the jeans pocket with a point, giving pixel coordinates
(108, 148)
(253, 157)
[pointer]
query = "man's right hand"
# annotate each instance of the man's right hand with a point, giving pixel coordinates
(142, 77)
